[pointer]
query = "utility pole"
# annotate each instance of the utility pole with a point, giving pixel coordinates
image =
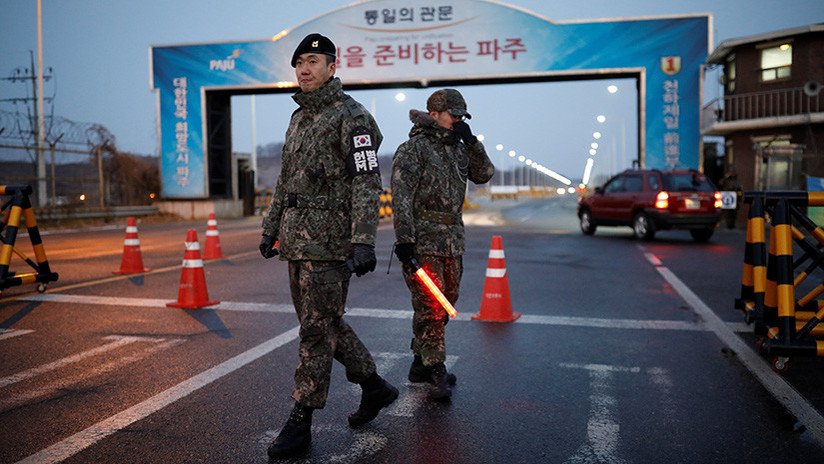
(36, 76)
(42, 199)
(37, 123)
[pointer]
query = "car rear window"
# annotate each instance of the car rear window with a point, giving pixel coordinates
(687, 182)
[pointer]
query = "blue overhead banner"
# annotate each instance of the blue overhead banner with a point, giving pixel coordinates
(385, 41)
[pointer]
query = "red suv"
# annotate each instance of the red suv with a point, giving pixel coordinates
(648, 200)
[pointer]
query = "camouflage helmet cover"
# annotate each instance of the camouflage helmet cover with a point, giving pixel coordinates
(448, 100)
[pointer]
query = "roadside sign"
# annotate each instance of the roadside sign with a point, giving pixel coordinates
(729, 200)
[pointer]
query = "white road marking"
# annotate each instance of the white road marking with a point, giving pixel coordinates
(661, 378)
(601, 367)
(610, 323)
(603, 430)
(14, 401)
(9, 333)
(604, 323)
(653, 259)
(796, 404)
(27, 374)
(85, 438)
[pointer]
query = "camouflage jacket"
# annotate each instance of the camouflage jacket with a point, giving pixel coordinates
(429, 174)
(327, 195)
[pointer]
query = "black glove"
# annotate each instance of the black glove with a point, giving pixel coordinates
(363, 259)
(465, 133)
(405, 252)
(267, 246)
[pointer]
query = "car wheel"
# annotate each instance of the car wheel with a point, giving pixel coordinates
(701, 235)
(587, 225)
(642, 227)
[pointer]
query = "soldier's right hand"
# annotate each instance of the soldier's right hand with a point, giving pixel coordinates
(267, 246)
(405, 252)
(465, 133)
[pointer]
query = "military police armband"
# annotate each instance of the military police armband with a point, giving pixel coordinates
(363, 154)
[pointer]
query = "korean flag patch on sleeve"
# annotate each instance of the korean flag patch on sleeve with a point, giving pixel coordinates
(363, 154)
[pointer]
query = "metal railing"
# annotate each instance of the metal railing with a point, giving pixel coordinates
(756, 105)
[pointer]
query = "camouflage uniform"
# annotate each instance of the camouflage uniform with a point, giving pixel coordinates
(325, 200)
(429, 175)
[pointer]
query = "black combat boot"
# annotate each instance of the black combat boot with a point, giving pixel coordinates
(420, 373)
(377, 394)
(295, 436)
(441, 391)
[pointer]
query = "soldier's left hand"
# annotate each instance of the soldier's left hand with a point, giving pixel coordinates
(267, 246)
(363, 258)
(464, 132)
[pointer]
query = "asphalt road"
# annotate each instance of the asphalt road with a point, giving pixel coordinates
(626, 352)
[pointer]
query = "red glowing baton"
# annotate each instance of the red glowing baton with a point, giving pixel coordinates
(434, 290)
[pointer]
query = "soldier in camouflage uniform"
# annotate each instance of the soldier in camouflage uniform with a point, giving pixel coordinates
(429, 175)
(324, 213)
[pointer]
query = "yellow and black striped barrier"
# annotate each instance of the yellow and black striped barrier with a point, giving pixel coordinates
(386, 203)
(784, 326)
(20, 206)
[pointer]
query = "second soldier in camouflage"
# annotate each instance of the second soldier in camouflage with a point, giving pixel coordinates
(429, 178)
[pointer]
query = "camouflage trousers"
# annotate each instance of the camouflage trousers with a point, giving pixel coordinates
(319, 290)
(429, 319)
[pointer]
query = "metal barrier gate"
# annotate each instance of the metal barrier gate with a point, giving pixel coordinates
(20, 206)
(784, 326)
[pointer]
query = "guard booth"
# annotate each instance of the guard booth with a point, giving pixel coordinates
(418, 44)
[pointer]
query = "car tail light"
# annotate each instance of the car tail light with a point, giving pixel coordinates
(717, 203)
(662, 200)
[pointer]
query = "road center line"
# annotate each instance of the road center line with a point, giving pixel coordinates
(594, 322)
(86, 438)
(777, 386)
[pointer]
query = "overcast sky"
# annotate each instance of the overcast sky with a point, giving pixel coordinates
(98, 50)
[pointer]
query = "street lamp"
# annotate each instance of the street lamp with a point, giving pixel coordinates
(612, 88)
(601, 118)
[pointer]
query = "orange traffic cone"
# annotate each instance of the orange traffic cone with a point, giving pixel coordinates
(192, 292)
(212, 250)
(132, 262)
(496, 305)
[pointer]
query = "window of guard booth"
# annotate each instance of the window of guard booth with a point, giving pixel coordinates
(780, 165)
(729, 74)
(776, 62)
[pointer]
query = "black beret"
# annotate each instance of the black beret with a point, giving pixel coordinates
(314, 43)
